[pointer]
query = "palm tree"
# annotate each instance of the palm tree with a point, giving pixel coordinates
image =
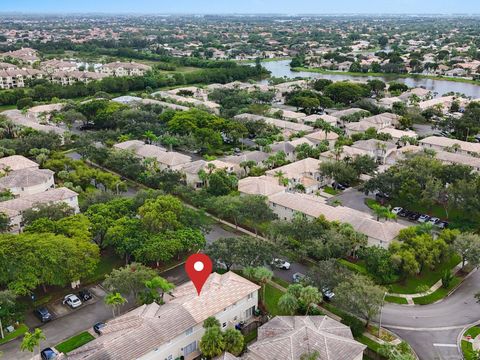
(288, 303)
(114, 300)
(159, 283)
(310, 296)
(259, 274)
(124, 137)
(280, 176)
(337, 151)
(32, 340)
(150, 137)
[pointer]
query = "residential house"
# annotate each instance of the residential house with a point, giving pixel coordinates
(165, 160)
(51, 66)
(287, 147)
(25, 55)
(258, 157)
(439, 143)
(14, 208)
(397, 134)
(457, 158)
(288, 128)
(320, 136)
(191, 170)
(377, 149)
(27, 181)
(303, 175)
(16, 78)
(16, 162)
(291, 337)
(332, 120)
(71, 77)
(125, 69)
(182, 100)
(260, 185)
(286, 205)
(174, 330)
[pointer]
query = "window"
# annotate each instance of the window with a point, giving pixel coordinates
(250, 296)
(190, 348)
(249, 312)
(170, 357)
(189, 331)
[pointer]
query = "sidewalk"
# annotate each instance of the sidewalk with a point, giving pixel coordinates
(435, 287)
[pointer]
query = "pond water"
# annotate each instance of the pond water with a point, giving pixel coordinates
(281, 68)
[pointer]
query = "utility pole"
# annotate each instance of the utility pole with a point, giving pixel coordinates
(380, 324)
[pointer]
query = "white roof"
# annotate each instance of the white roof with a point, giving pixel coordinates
(447, 142)
(297, 168)
(314, 206)
(261, 185)
(397, 134)
(321, 135)
(147, 327)
(17, 162)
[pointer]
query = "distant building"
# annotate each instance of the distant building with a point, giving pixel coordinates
(125, 69)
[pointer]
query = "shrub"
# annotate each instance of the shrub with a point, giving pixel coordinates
(357, 326)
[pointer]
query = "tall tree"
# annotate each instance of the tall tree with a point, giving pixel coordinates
(32, 340)
(212, 343)
(114, 300)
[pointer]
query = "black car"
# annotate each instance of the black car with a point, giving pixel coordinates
(442, 224)
(48, 354)
(403, 213)
(43, 314)
(98, 327)
(414, 216)
(338, 186)
(85, 295)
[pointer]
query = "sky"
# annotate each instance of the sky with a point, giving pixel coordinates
(243, 6)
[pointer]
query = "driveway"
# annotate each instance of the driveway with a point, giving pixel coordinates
(353, 199)
(433, 330)
(64, 327)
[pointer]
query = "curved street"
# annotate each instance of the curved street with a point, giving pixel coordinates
(433, 330)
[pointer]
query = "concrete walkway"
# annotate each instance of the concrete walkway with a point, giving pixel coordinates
(435, 287)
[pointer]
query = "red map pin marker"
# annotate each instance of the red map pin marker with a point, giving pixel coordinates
(199, 268)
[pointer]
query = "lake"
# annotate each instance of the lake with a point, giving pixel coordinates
(281, 68)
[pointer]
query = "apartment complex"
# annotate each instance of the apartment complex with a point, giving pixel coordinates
(174, 330)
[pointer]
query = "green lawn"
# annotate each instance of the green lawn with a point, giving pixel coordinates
(473, 331)
(396, 300)
(330, 190)
(358, 267)
(427, 277)
(20, 331)
(372, 345)
(108, 261)
(467, 348)
(437, 295)
(281, 282)
(272, 294)
(74, 342)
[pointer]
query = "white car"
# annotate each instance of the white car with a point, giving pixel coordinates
(281, 264)
(423, 218)
(72, 300)
(433, 220)
(397, 210)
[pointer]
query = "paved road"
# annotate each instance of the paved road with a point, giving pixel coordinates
(433, 330)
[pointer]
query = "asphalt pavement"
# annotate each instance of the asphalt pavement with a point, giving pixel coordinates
(433, 330)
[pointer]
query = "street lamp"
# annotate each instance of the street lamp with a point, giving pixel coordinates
(381, 308)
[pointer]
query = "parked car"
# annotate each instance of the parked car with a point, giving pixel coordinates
(281, 264)
(397, 210)
(72, 300)
(423, 218)
(433, 220)
(414, 216)
(43, 314)
(98, 327)
(327, 294)
(442, 224)
(338, 186)
(48, 354)
(298, 277)
(404, 213)
(85, 295)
